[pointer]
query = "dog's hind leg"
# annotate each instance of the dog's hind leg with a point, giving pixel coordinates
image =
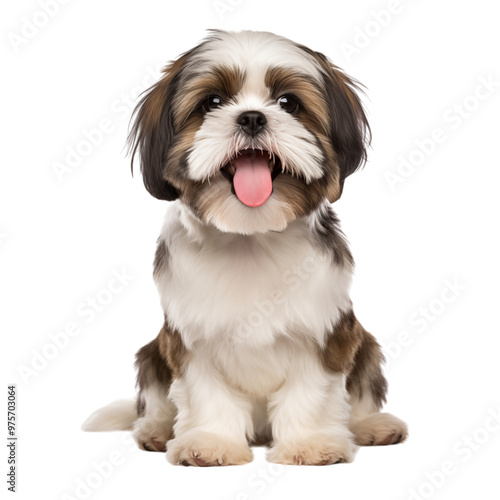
(156, 411)
(367, 387)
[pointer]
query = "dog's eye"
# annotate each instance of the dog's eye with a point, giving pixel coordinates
(211, 102)
(288, 103)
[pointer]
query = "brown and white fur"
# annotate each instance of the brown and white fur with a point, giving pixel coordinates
(260, 344)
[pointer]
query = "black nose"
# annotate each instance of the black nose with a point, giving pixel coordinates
(252, 122)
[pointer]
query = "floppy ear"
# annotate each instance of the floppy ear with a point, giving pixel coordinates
(153, 131)
(349, 129)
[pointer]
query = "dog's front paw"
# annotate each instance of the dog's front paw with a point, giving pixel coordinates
(379, 429)
(319, 449)
(203, 449)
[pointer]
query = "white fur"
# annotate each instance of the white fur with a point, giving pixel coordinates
(224, 293)
(117, 416)
(219, 138)
(252, 310)
(229, 215)
(254, 51)
(239, 392)
(156, 425)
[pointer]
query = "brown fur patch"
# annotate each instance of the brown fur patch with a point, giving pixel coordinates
(223, 81)
(366, 377)
(349, 130)
(150, 108)
(330, 238)
(351, 350)
(175, 166)
(152, 368)
(173, 349)
(331, 176)
(154, 100)
(188, 118)
(343, 344)
(313, 109)
(314, 113)
(161, 257)
(301, 197)
(152, 132)
(160, 362)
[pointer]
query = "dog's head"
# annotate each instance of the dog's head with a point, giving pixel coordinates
(250, 130)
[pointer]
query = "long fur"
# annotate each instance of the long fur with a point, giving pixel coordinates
(260, 344)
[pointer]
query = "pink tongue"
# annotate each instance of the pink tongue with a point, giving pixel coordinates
(252, 181)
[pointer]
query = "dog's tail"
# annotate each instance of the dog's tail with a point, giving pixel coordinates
(117, 416)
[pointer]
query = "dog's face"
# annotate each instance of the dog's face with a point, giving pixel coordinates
(250, 131)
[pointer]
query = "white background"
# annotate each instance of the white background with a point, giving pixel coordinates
(62, 238)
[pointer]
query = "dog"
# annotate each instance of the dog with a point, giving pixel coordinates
(250, 137)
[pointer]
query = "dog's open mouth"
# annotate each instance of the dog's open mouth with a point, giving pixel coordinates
(251, 173)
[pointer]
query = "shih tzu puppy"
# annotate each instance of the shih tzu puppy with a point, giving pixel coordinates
(250, 137)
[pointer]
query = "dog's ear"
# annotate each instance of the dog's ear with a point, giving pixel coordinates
(153, 131)
(349, 129)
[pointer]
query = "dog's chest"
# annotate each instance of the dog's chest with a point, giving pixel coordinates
(260, 371)
(248, 289)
